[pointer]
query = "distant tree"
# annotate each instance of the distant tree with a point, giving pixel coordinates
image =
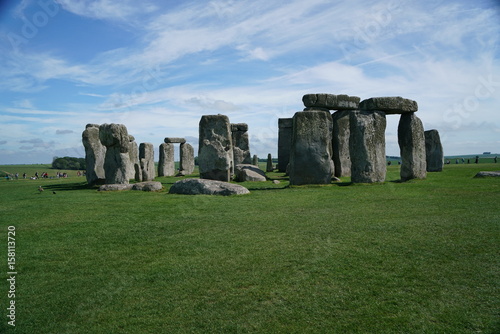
(68, 163)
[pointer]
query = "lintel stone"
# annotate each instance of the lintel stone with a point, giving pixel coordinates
(331, 101)
(389, 105)
(174, 140)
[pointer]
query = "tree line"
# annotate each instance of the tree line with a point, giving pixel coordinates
(68, 163)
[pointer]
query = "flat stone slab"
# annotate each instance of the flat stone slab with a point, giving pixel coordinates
(207, 187)
(247, 172)
(144, 186)
(389, 105)
(115, 187)
(488, 174)
(174, 140)
(239, 127)
(147, 186)
(330, 101)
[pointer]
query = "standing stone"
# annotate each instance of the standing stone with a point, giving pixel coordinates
(310, 154)
(241, 147)
(117, 160)
(166, 164)
(367, 146)
(434, 154)
(340, 143)
(255, 160)
(411, 141)
(215, 152)
(269, 165)
(285, 131)
(94, 154)
(134, 159)
(146, 158)
(187, 159)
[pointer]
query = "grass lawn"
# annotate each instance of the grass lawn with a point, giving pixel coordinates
(415, 257)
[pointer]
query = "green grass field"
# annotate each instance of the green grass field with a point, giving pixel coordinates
(415, 257)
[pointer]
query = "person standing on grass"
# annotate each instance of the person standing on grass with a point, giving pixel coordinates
(495, 159)
(477, 159)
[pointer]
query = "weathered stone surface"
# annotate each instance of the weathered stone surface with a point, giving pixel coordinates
(133, 153)
(488, 174)
(94, 154)
(247, 172)
(117, 160)
(115, 187)
(241, 146)
(187, 159)
(310, 154)
(434, 154)
(206, 187)
(340, 143)
(269, 164)
(331, 102)
(215, 152)
(255, 160)
(146, 158)
(367, 146)
(166, 163)
(174, 140)
(147, 186)
(285, 131)
(389, 105)
(411, 141)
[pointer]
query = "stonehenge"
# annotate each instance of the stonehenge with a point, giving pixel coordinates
(333, 136)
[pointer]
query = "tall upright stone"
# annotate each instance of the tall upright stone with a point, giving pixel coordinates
(411, 141)
(117, 160)
(255, 160)
(340, 143)
(367, 146)
(187, 159)
(215, 151)
(94, 154)
(285, 131)
(166, 163)
(133, 152)
(241, 146)
(433, 151)
(310, 154)
(146, 158)
(269, 165)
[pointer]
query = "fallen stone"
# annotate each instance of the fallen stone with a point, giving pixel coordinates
(247, 172)
(488, 174)
(115, 187)
(389, 105)
(174, 140)
(276, 182)
(207, 187)
(147, 186)
(331, 102)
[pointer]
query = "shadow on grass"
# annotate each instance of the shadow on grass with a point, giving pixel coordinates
(69, 186)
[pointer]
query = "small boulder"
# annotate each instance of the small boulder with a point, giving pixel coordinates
(147, 186)
(247, 172)
(488, 174)
(207, 187)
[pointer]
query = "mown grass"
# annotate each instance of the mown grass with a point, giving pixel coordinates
(414, 257)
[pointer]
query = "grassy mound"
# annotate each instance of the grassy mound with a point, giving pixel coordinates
(414, 257)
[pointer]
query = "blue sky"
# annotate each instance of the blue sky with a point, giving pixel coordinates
(158, 66)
